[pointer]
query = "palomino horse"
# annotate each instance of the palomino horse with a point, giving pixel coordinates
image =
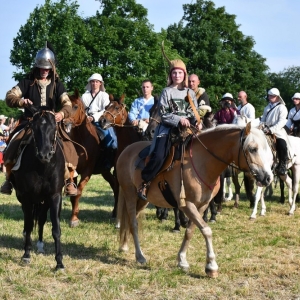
(116, 115)
(206, 156)
(84, 133)
(162, 213)
(38, 178)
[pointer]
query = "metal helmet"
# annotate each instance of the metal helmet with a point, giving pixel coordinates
(43, 58)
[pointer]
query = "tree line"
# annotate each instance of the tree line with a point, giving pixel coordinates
(120, 43)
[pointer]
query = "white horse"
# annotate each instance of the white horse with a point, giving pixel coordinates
(292, 184)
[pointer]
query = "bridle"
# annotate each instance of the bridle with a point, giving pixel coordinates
(241, 148)
(120, 112)
(53, 146)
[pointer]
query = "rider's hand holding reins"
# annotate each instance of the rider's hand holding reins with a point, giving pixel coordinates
(185, 122)
(25, 102)
(58, 117)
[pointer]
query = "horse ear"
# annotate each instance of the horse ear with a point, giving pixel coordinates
(111, 97)
(248, 128)
(122, 98)
(76, 93)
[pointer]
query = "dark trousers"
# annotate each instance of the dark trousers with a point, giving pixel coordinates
(281, 149)
(160, 152)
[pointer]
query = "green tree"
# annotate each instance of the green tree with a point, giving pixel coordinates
(219, 53)
(60, 24)
(9, 112)
(125, 49)
(288, 83)
(118, 42)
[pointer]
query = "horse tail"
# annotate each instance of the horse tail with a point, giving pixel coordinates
(123, 217)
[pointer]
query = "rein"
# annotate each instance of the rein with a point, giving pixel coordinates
(123, 120)
(53, 146)
(242, 140)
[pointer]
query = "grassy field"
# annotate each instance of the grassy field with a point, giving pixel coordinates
(257, 260)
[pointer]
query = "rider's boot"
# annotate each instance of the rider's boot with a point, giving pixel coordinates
(6, 188)
(281, 169)
(70, 186)
(143, 190)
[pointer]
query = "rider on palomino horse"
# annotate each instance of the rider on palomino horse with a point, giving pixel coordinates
(41, 87)
(175, 112)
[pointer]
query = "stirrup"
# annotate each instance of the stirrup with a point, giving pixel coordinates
(70, 189)
(142, 191)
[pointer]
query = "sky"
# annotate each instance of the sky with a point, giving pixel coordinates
(272, 24)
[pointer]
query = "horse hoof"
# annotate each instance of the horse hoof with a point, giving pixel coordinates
(252, 219)
(74, 223)
(26, 260)
(163, 220)
(212, 273)
(60, 268)
(212, 221)
(176, 230)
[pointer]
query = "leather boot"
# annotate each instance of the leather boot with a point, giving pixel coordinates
(6, 187)
(281, 169)
(143, 190)
(70, 187)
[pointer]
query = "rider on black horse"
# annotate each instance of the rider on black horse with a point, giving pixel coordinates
(41, 87)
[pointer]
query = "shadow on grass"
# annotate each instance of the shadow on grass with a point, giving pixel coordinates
(73, 250)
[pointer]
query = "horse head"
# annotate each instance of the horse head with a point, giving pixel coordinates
(44, 132)
(258, 154)
(115, 113)
(78, 115)
(154, 120)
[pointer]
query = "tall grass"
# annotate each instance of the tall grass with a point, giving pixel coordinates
(257, 260)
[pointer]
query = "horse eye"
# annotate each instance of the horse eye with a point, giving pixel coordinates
(76, 106)
(253, 150)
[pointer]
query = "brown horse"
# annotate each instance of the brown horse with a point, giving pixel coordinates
(84, 133)
(206, 156)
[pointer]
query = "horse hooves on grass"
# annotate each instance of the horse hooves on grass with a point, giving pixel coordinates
(60, 268)
(211, 273)
(176, 230)
(212, 221)
(26, 260)
(74, 223)
(252, 219)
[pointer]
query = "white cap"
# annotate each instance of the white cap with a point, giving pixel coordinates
(227, 96)
(296, 95)
(2, 117)
(95, 76)
(275, 92)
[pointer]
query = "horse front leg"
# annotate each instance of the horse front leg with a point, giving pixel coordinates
(292, 198)
(74, 220)
(55, 209)
(28, 227)
(257, 198)
(114, 184)
(211, 267)
(41, 222)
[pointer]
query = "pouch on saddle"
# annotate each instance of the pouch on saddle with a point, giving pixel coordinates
(16, 145)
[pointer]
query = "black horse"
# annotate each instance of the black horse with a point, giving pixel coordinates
(39, 179)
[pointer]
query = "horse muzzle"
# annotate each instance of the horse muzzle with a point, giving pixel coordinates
(264, 179)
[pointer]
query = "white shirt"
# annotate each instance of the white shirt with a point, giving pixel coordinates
(247, 110)
(98, 105)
